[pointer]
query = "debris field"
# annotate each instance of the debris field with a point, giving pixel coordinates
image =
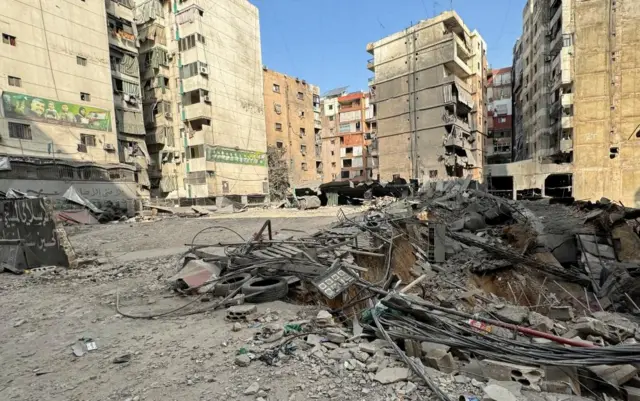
(449, 293)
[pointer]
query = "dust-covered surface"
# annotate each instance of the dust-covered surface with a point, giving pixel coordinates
(171, 358)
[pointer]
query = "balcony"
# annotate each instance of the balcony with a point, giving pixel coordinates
(453, 141)
(120, 8)
(556, 43)
(371, 65)
(567, 122)
(371, 81)
(122, 39)
(194, 83)
(201, 137)
(197, 110)
(567, 99)
(188, 3)
(461, 49)
(459, 67)
(317, 124)
(370, 48)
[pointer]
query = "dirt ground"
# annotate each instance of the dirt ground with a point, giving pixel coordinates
(172, 358)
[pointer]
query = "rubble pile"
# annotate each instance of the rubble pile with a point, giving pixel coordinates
(448, 294)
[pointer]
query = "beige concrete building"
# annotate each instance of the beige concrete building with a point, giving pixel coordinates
(127, 95)
(204, 104)
(292, 116)
(544, 105)
(607, 100)
(329, 107)
(429, 90)
(57, 117)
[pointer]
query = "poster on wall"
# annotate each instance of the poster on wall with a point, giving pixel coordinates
(230, 155)
(25, 107)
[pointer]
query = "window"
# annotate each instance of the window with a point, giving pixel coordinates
(301, 114)
(333, 164)
(344, 174)
(300, 95)
(303, 149)
(187, 43)
(15, 81)
(85, 96)
(200, 38)
(330, 118)
(8, 39)
(302, 132)
(20, 131)
(81, 61)
(303, 165)
(88, 140)
(503, 120)
(330, 107)
(276, 88)
(333, 153)
(433, 173)
(277, 108)
(278, 127)
(566, 40)
(196, 152)
(279, 145)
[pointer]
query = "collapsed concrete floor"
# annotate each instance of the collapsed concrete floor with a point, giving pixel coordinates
(206, 356)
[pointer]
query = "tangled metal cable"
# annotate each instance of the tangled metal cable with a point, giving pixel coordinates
(455, 333)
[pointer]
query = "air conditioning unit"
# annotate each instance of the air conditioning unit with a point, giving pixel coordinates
(206, 99)
(108, 146)
(168, 115)
(204, 70)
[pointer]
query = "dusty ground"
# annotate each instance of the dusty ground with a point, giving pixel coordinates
(175, 358)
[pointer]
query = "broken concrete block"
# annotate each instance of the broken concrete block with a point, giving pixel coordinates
(512, 314)
(526, 375)
(497, 392)
(336, 338)
(428, 348)
(633, 393)
(561, 379)
(412, 348)
(564, 313)
(392, 375)
(324, 319)
(540, 322)
(369, 348)
(474, 222)
(441, 360)
(589, 326)
(615, 375)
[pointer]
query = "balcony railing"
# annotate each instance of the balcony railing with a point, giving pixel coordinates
(370, 64)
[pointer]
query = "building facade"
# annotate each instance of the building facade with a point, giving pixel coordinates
(329, 108)
(499, 116)
(127, 95)
(203, 99)
(543, 105)
(293, 123)
(58, 118)
(429, 91)
(354, 136)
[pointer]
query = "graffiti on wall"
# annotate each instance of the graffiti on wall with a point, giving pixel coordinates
(31, 222)
(25, 107)
(229, 155)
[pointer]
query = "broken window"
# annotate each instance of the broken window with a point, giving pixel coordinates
(277, 108)
(303, 165)
(279, 144)
(302, 132)
(276, 88)
(8, 39)
(278, 127)
(88, 140)
(433, 173)
(300, 95)
(15, 81)
(20, 131)
(303, 149)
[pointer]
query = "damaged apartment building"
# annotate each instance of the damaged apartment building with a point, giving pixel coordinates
(203, 99)
(543, 106)
(70, 101)
(293, 123)
(576, 118)
(429, 91)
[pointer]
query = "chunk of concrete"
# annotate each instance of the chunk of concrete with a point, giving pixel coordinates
(561, 379)
(496, 392)
(540, 322)
(589, 326)
(563, 313)
(512, 314)
(615, 375)
(633, 393)
(474, 222)
(392, 375)
(528, 376)
(441, 360)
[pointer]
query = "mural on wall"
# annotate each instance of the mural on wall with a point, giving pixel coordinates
(25, 107)
(234, 156)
